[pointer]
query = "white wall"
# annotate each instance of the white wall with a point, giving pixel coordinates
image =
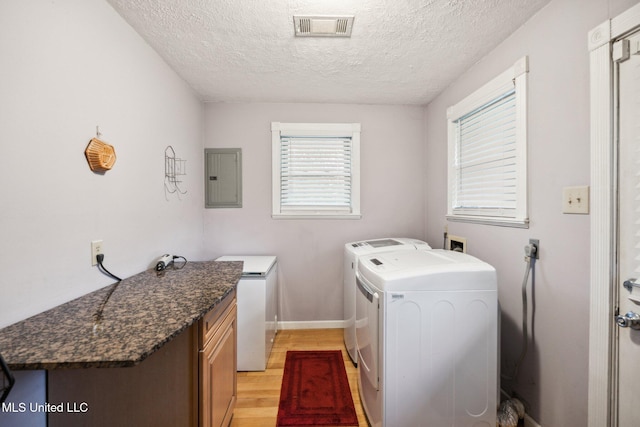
(310, 251)
(553, 379)
(68, 66)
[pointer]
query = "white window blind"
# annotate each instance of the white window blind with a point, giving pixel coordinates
(316, 170)
(488, 152)
(315, 173)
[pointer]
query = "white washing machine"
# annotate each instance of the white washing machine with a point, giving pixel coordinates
(427, 333)
(352, 251)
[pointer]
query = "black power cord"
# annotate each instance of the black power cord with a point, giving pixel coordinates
(97, 316)
(184, 262)
(99, 259)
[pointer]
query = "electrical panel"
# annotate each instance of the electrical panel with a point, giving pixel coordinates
(223, 178)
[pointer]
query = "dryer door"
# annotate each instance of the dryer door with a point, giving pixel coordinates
(367, 339)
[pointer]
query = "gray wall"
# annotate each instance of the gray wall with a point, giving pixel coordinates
(68, 66)
(310, 251)
(553, 379)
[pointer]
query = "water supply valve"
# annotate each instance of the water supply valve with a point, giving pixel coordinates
(629, 320)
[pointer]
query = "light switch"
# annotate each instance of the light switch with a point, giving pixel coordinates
(575, 200)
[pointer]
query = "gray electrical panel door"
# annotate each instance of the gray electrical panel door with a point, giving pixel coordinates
(223, 177)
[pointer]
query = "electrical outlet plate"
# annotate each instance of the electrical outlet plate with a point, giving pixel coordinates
(536, 242)
(96, 249)
(575, 200)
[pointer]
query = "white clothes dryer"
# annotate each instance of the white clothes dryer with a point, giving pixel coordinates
(352, 251)
(427, 330)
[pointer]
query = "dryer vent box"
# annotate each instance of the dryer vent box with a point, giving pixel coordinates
(458, 244)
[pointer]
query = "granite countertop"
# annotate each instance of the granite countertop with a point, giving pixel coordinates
(143, 313)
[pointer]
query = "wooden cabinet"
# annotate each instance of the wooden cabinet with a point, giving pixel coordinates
(189, 382)
(161, 391)
(217, 364)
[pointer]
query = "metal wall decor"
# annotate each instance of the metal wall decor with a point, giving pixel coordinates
(174, 168)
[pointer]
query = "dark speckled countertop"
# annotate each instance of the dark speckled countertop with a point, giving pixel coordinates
(143, 313)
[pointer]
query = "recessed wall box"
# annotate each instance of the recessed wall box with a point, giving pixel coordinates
(457, 243)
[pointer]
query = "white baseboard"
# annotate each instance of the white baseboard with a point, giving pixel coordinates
(321, 324)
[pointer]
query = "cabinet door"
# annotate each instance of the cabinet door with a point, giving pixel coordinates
(218, 379)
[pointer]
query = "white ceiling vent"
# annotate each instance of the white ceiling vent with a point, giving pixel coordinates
(323, 26)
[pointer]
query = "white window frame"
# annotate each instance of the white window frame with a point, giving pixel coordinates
(514, 76)
(338, 130)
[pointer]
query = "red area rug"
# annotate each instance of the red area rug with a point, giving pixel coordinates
(315, 391)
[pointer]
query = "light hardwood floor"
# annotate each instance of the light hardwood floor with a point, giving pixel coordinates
(259, 392)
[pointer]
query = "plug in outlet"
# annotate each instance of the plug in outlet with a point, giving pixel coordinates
(96, 249)
(536, 243)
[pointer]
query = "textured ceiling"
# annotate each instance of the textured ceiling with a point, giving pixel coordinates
(400, 52)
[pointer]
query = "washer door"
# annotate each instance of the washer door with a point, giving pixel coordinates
(367, 339)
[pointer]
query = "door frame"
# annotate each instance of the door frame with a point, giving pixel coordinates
(603, 252)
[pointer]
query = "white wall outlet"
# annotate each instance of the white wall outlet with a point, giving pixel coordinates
(96, 249)
(575, 200)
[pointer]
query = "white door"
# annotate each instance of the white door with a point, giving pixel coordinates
(627, 60)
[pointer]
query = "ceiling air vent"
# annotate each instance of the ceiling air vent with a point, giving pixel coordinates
(323, 26)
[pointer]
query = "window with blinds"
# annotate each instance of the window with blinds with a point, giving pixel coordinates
(487, 152)
(315, 170)
(315, 173)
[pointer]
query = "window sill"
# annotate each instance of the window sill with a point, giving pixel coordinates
(499, 222)
(315, 216)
